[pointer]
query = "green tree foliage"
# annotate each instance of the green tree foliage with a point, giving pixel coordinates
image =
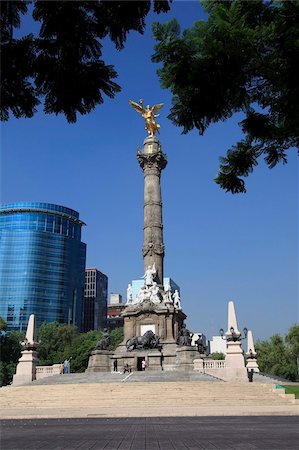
(217, 355)
(116, 337)
(292, 339)
(83, 344)
(244, 58)
(275, 357)
(57, 341)
(10, 353)
(63, 66)
(3, 324)
(60, 342)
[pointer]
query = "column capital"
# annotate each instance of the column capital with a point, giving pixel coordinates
(156, 161)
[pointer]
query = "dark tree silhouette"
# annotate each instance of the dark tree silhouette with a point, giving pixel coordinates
(244, 58)
(62, 67)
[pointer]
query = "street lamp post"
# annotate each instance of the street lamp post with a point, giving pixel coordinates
(233, 335)
(234, 358)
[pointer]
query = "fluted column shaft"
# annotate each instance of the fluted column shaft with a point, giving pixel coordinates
(152, 162)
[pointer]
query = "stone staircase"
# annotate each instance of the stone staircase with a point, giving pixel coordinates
(272, 379)
(112, 377)
(124, 398)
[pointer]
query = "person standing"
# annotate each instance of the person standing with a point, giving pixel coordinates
(67, 366)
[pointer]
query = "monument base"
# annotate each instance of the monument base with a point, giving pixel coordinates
(185, 357)
(170, 358)
(153, 359)
(235, 369)
(165, 321)
(252, 364)
(199, 365)
(26, 368)
(100, 361)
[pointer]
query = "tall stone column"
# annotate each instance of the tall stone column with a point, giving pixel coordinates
(153, 161)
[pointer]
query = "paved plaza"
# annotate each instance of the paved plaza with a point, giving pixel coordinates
(176, 433)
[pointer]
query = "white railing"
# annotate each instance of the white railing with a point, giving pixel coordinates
(214, 367)
(48, 371)
(214, 364)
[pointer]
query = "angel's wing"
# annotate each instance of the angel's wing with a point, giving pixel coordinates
(137, 107)
(157, 107)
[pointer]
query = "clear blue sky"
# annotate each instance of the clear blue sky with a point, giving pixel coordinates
(219, 247)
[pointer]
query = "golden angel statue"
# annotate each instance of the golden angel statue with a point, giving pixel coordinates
(149, 115)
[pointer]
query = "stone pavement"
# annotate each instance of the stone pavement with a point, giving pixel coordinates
(178, 433)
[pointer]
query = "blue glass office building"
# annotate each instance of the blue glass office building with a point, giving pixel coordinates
(42, 264)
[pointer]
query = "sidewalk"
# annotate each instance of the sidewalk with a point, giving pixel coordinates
(180, 433)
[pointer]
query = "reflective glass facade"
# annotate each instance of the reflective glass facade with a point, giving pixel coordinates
(95, 300)
(42, 264)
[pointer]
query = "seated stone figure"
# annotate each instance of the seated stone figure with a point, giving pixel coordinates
(156, 342)
(185, 337)
(142, 295)
(155, 293)
(199, 343)
(103, 343)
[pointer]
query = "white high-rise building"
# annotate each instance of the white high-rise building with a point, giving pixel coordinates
(115, 299)
(218, 345)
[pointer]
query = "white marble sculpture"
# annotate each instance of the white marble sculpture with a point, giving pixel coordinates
(154, 289)
(149, 275)
(141, 296)
(177, 300)
(167, 297)
(129, 294)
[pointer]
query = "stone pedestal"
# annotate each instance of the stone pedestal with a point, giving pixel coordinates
(26, 368)
(154, 361)
(100, 361)
(198, 365)
(252, 364)
(251, 354)
(166, 321)
(185, 358)
(234, 362)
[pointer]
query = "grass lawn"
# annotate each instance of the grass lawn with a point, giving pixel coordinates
(292, 390)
